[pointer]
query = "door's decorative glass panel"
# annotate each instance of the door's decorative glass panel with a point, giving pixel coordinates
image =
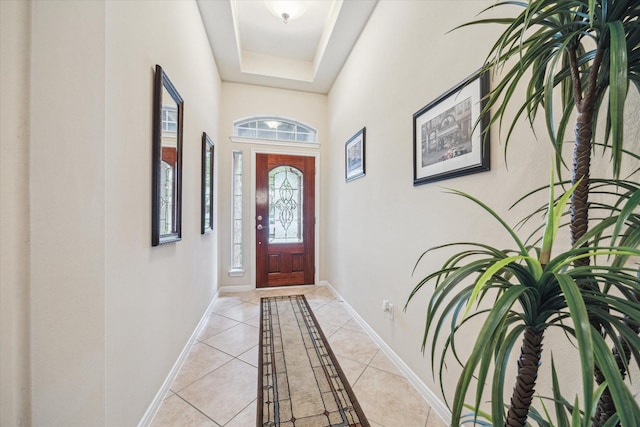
(285, 205)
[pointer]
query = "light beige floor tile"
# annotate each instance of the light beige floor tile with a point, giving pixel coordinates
(254, 321)
(330, 314)
(215, 324)
(254, 298)
(243, 295)
(227, 394)
(353, 345)
(242, 312)
(321, 295)
(329, 329)
(266, 292)
(317, 304)
(322, 291)
(434, 420)
(381, 361)
(352, 369)
(176, 412)
(223, 393)
(224, 303)
(353, 325)
(245, 418)
(201, 360)
(250, 356)
(236, 340)
(390, 400)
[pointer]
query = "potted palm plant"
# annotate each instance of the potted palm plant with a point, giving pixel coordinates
(589, 52)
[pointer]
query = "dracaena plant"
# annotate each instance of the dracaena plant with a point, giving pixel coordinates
(532, 290)
(588, 53)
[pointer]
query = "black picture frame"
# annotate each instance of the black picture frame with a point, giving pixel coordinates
(450, 139)
(208, 166)
(354, 156)
(166, 194)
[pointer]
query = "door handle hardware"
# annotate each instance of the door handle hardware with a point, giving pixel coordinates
(259, 227)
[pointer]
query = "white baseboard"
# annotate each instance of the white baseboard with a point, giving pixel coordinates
(426, 393)
(153, 408)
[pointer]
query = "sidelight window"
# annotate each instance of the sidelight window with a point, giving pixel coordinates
(237, 256)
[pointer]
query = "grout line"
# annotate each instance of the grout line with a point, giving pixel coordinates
(196, 408)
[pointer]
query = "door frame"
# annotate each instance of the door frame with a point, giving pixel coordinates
(252, 219)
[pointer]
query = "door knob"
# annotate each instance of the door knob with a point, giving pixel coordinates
(259, 227)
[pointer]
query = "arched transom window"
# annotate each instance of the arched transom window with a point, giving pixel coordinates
(274, 128)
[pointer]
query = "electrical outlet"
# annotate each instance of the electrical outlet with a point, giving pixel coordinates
(387, 307)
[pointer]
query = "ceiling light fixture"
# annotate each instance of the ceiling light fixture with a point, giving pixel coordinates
(287, 10)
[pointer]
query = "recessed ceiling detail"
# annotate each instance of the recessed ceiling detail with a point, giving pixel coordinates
(252, 43)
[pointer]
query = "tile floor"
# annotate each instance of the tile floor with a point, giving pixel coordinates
(216, 385)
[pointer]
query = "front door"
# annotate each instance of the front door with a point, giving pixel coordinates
(285, 220)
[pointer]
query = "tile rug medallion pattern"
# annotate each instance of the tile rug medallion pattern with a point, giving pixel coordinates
(300, 383)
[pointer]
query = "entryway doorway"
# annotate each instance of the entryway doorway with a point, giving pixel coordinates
(285, 220)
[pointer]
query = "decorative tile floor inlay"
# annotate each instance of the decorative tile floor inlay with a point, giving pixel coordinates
(300, 382)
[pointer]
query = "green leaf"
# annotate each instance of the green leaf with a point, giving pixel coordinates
(626, 406)
(493, 269)
(580, 319)
(495, 318)
(618, 85)
(561, 415)
(628, 209)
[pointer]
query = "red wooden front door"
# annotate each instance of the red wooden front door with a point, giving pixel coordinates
(285, 220)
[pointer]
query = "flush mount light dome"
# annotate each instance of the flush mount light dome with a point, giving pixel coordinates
(286, 10)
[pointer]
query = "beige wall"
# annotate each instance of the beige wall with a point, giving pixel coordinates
(93, 317)
(155, 296)
(241, 101)
(67, 212)
(14, 212)
(377, 227)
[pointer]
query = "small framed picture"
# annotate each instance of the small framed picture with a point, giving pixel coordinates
(354, 156)
(448, 138)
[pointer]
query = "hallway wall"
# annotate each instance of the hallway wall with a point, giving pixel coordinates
(93, 317)
(377, 227)
(67, 213)
(14, 212)
(241, 101)
(154, 296)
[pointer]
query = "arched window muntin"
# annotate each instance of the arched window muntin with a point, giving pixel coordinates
(274, 128)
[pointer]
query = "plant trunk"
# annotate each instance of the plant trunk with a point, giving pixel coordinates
(524, 389)
(580, 225)
(581, 167)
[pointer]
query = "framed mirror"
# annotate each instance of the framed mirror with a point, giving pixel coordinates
(207, 184)
(166, 208)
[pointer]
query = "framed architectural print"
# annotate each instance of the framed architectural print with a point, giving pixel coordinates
(449, 140)
(166, 194)
(354, 156)
(207, 184)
